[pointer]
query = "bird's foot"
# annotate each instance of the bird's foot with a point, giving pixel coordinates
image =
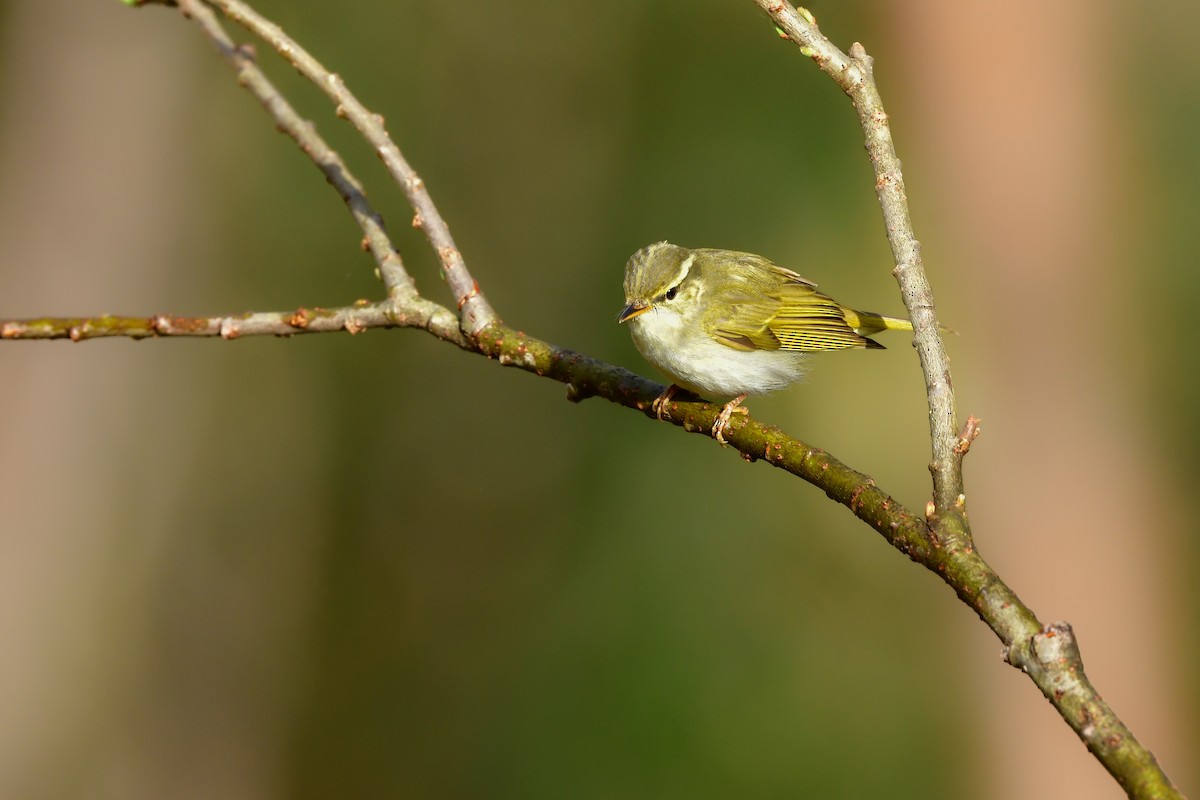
(734, 406)
(660, 403)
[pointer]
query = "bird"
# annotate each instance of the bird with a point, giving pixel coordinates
(727, 324)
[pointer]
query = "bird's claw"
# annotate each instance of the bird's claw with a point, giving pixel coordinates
(659, 405)
(722, 424)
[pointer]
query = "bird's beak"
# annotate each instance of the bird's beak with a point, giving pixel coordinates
(632, 310)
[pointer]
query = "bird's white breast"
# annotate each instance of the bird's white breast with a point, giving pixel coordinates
(681, 350)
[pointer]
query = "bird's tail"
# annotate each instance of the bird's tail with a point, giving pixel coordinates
(866, 323)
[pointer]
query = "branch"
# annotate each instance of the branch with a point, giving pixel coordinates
(249, 76)
(407, 312)
(584, 376)
(1049, 655)
(477, 313)
(855, 76)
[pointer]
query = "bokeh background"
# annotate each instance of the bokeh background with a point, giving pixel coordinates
(375, 566)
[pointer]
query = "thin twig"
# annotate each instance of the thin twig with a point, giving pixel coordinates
(970, 433)
(241, 59)
(853, 73)
(408, 312)
(476, 312)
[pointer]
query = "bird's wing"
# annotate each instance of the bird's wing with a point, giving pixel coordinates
(772, 308)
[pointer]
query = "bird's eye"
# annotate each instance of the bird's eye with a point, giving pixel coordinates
(674, 290)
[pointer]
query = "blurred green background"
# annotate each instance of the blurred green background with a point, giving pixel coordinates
(376, 566)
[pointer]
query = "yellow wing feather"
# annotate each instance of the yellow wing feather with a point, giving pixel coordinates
(772, 308)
